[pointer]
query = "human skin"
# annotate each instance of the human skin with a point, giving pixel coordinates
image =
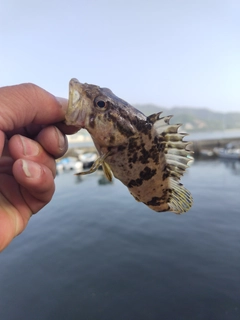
(32, 136)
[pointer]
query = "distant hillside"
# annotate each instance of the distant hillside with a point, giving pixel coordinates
(196, 119)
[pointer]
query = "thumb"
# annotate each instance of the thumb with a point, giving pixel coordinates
(27, 103)
(2, 141)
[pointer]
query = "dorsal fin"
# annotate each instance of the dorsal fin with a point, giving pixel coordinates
(177, 155)
(154, 117)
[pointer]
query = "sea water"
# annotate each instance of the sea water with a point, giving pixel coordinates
(95, 253)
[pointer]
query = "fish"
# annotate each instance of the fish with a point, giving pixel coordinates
(146, 153)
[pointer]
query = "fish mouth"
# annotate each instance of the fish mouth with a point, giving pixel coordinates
(76, 118)
(76, 113)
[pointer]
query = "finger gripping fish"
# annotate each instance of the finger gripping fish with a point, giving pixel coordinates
(147, 154)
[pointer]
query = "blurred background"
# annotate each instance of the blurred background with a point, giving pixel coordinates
(93, 252)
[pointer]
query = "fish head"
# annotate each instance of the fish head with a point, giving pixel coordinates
(109, 119)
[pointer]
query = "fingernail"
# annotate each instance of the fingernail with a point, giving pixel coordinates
(63, 102)
(30, 148)
(61, 139)
(31, 169)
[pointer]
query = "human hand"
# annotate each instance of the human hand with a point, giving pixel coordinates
(29, 144)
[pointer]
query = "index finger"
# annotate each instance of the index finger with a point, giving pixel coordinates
(27, 103)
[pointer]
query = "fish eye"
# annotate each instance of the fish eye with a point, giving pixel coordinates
(101, 104)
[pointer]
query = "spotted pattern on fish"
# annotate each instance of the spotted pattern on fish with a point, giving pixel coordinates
(147, 154)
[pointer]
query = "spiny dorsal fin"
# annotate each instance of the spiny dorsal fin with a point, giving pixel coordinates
(177, 156)
(154, 117)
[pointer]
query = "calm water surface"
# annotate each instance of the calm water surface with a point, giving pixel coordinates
(95, 253)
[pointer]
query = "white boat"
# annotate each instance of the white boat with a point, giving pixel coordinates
(88, 159)
(231, 151)
(207, 153)
(69, 163)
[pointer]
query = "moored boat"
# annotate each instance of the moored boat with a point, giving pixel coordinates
(231, 151)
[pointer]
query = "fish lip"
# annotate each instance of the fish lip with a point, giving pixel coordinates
(76, 114)
(74, 88)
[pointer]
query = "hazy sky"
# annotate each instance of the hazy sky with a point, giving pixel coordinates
(175, 52)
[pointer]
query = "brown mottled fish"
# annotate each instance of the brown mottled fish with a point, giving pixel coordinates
(147, 154)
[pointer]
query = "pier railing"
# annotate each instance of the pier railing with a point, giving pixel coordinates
(209, 144)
